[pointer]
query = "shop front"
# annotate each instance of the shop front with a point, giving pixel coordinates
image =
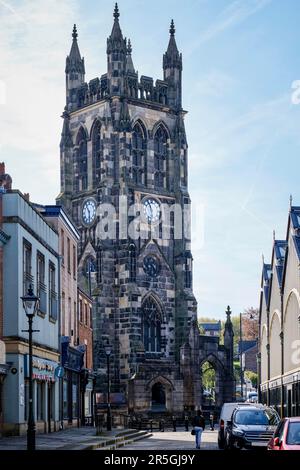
(72, 362)
(45, 393)
(87, 397)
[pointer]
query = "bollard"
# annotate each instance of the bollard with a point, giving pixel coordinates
(186, 422)
(211, 417)
(174, 423)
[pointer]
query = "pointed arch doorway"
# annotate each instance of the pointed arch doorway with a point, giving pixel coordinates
(158, 397)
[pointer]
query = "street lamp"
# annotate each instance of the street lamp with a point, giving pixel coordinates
(108, 353)
(30, 305)
(251, 317)
(241, 357)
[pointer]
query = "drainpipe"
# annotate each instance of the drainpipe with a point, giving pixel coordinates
(61, 380)
(268, 342)
(282, 356)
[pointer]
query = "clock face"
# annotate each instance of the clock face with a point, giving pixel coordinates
(151, 210)
(151, 266)
(89, 211)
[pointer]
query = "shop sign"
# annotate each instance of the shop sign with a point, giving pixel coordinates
(72, 358)
(288, 379)
(42, 369)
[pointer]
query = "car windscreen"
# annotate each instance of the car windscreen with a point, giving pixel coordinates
(293, 436)
(255, 417)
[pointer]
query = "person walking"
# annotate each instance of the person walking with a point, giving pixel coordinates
(198, 427)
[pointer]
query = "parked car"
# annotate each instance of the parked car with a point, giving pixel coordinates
(225, 415)
(252, 397)
(286, 436)
(251, 426)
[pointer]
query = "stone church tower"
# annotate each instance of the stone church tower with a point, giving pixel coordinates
(123, 143)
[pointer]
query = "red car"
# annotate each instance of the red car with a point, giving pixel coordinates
(287, 435)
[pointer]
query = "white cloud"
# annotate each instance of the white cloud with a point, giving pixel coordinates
(34, 40)
(225, 139)
(235, 13)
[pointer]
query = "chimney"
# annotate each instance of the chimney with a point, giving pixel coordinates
(5, 179)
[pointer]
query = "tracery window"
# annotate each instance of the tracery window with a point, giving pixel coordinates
(96, 153)
(160, 157)
(80, 161)
(139, 145)
(152, 320)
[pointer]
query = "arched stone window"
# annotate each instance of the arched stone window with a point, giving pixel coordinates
(96, 153)
(80, 161)
(160, 157)
(183, 163)
(152, 319)
(188, 270)
(139, 145)
(275, 352)
(90, 272)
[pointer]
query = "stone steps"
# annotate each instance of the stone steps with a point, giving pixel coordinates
(120, 440)
(123, 440)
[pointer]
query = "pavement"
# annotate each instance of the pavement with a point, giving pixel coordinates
(83, 438)
(179, 440)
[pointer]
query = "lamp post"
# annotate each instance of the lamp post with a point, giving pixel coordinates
(241, 357)
(30, 305)
(108, 353)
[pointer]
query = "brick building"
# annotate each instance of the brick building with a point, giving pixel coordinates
(85, 340)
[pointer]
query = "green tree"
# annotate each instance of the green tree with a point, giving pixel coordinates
(251, 376)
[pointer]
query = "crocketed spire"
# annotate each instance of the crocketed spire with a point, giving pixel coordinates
(116, 41)
(75, 63)
(172, 58)
(129, 63)
(172, 28)
(75, 34)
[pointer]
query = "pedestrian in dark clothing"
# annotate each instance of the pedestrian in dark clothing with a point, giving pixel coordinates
(199, 426)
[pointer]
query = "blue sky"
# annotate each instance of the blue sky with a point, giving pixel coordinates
(240, 59)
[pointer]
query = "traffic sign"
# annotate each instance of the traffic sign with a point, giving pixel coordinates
(59, 372)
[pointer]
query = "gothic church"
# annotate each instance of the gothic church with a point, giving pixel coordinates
(124, 138)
